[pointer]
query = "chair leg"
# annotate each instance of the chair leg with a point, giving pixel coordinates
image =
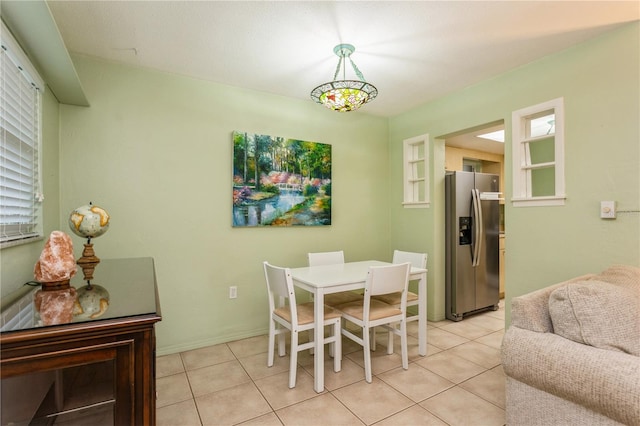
(281, 344)
(403, 345)
(312, 350)
(272, 337)
(366, 348)
(337, 346)
(332, 346)
(390, 342)
(373, 339)
(293, 363)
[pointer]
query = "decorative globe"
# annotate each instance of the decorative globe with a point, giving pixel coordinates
(89, 221)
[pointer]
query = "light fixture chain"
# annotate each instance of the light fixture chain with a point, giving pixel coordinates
(335, 76)
(355, 68)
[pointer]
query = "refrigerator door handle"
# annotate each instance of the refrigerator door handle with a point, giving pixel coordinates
(478, 231)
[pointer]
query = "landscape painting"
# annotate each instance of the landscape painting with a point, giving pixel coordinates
(280, 182)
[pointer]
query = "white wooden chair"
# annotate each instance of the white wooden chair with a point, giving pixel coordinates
(373, 313)
(292, 317)
(417, 260)
(333, 258)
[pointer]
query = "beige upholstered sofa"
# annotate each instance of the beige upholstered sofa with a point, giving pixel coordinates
(572, 352)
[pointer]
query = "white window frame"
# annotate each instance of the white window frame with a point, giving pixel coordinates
(522, 167)
(416, 172)
(21, 90)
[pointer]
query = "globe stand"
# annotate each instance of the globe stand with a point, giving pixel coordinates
(88, 262)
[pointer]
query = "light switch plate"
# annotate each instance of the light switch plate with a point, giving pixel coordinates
(607, 209)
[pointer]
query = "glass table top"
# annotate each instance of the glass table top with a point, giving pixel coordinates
(130, 284)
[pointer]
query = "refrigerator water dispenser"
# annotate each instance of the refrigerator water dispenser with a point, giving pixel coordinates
(465, 230)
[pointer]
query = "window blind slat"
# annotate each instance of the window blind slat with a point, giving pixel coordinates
(15, 156)
(19, 123)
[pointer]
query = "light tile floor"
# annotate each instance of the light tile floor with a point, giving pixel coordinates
(459, 382)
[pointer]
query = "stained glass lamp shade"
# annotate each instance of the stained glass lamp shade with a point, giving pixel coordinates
(344, 95)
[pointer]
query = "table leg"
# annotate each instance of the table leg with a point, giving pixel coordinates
(318, 356)
(422, 315)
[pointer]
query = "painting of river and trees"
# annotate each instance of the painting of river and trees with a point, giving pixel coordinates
(280, 182)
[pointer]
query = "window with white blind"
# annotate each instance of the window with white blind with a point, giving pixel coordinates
(20, 145)
(538, 155)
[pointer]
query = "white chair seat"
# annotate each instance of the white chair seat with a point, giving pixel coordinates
(305, 313)
(394, 298)
(377, 310)
(336, 299)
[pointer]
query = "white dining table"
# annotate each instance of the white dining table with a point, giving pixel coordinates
(327, 279)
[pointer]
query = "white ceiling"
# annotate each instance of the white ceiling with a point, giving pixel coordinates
(413, 52)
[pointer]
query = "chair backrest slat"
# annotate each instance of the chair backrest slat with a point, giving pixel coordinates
(417, 260)
(326, 258)
(280, 286)
(388, 279)
(279, 281)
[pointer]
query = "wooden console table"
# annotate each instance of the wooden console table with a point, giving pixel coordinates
(89, 371)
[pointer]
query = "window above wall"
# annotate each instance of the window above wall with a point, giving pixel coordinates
(538, 155)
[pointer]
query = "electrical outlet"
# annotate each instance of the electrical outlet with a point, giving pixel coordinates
(233, 292)
(607, 209)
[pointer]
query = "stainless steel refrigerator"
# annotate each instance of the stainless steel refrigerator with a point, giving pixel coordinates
(472, 227)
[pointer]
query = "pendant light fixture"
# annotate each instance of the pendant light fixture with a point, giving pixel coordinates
(344, 95)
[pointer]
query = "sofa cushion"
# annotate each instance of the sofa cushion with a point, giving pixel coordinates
(531, 311)
(598, 313)
(625, 275)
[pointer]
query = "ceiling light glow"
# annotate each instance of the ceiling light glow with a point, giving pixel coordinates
(497, 136)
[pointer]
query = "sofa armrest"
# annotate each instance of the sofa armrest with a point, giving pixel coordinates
(604, 381)
(531, 311)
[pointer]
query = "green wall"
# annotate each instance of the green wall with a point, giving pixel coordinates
(17, 262)
(599, 81)
(155, 151)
